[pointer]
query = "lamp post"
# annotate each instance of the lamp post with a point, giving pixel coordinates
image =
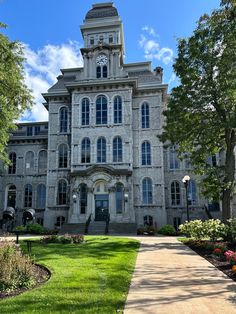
(74, 196)
(126, 197)
(185, 181)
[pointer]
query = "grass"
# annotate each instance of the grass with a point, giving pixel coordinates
(86, 278)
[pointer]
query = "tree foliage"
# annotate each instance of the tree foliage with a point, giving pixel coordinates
(201, 114)
(15, 97)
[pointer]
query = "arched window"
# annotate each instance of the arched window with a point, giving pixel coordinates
(145, 116)
(146, 153)
(174, 161)
(83, 198)
(192, 193)
(28, 195)
(63, 119)
(42, 161)
(12, 166)
(29, 162)
(101, 150)
(63, 156)
(101, 110)
(147, 191)
(85, 150)
(148, 220)
(60, 220)
(175, 193)
(62, 192)
(85, 112)
(41, 196)
(117, 149)
(119, 198)
(11, 196)
(117, 109)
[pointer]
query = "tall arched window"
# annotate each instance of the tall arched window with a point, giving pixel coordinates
(63, 119)
(145, 116)
(147, 191)
(85, 150)
(11, 196)
(41, 196)
(173, 158)
(83, 198)
(28, 196)
(29, 162)
(63, 156)
(42, 161)
(119, 198)
(62, 192)
(12, 166)
(192, 193)
(85, 111)
(146, 153)
(117, 149)
(117, 109)
(101, 110)
(175, 193)
(101, 150)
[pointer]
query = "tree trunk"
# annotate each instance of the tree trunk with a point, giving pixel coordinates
(229, 174)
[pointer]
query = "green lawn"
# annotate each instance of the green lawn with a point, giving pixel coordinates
(92, 277)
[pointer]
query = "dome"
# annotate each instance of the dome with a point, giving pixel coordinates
(102, 10)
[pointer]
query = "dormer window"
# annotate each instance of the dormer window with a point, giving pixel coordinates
(101, 38)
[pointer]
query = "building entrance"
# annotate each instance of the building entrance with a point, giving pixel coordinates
(101, 207)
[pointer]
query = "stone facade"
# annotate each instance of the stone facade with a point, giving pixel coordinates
(103, 152)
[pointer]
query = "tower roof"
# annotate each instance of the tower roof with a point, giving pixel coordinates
(101, 10)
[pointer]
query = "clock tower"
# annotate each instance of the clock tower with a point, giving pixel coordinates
(103, 50)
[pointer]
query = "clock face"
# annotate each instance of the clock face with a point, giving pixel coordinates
(101, 60)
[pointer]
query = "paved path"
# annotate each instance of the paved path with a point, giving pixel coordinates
(171, 278)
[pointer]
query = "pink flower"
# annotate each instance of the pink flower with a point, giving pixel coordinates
(229, 254)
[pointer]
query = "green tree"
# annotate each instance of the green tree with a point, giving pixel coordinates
(15, 97)
(201, 113)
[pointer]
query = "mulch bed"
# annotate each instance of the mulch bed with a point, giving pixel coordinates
(42, 274)
(221, 264)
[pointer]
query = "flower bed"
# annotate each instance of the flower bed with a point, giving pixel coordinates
(64, 239)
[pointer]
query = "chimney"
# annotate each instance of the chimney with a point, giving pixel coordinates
(158, 71)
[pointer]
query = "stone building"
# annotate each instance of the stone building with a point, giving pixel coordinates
(99, 155)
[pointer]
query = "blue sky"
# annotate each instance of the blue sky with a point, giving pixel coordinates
(50, 32)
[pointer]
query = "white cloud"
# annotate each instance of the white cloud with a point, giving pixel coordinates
(151, 47)
(172, 78)
(41, 69)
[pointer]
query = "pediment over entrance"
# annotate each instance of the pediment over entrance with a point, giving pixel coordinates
(101, 168)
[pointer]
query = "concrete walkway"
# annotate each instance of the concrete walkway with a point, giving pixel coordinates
(171, 278)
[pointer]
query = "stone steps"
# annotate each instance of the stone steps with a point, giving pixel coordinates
(72, 228)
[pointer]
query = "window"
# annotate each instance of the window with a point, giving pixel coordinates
(148, 220)
(63, 156)
(42, 161)
(145, 116)
(147, 191)
(29, 162)
(146, 153)
(104, 71)
(117, 110)
(12, 166)
(91, 41)
(41, 196)
(28, 196)
(119, 198)
(85, 150)
(175, 193)
(63, 119)
(110, 39)
(192, 193)
(36, 130)
(101, 150)
(117, 149)
(99, 72)
(101, 38)
(212, 161)
(176, 222)
(29, 131)
(101, 110)
(62, 192)
(60, 221)
(85, 111)
(83, 198)
(11, 196)
(173, 159)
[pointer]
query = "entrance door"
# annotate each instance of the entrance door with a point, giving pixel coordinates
(101, 207)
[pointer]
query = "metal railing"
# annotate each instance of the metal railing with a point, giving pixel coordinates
(87, 224)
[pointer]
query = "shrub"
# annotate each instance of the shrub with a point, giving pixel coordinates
(214, 229)
(193, 228)
(64, 239)
(167, 230)
(34, 228)
(230, 233)
(16, 271)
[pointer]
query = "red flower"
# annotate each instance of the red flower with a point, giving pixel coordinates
(217, 251)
